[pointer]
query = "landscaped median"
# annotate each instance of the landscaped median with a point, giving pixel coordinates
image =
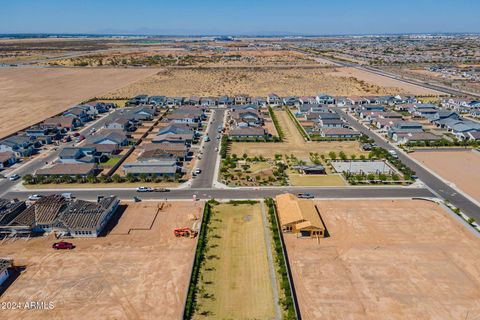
(288, 299)
(279, 129)
(297, 124)
(223, 283)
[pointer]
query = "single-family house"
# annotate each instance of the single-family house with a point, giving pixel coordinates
(7, 158)
(20, 145)
(83, 154)
(273, 100)
(339, 133)
(68, 169)
(248, 132)
(322, 98)
(67, 123)
(152, 167)
(300, 217)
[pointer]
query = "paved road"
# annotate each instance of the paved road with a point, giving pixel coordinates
(209, 157)
(207, 193)
(434, 183)
(33, 165)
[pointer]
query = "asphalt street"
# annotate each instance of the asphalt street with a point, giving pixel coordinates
(251, 193)
(437, 185)
(209, 157)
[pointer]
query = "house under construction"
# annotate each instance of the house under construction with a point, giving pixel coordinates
(300, 217)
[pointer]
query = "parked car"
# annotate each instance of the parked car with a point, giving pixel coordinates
(144, 189)
(34, 197)
(14, 177)
(76, 134)
(68, 195)
(136, 199)
(63, 245)
(306, 196)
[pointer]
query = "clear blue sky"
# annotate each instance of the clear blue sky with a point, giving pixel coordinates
(239, 17)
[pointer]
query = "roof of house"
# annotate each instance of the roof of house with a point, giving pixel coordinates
(165, 146)
(249, 131)
(8, 208)
(475, 135)
(67, 169)
(6, 155)
(173, 137)
(82, 214)
(5, 264)
(420, 136)
(44, 211)
(176, 129)
(339, 131)
(102, 148)
(302, 213)
(63, 121)
(16, 139)
(117, 136)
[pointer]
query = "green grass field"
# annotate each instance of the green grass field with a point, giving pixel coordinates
(234, 281)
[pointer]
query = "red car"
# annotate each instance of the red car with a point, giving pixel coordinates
(63, 245)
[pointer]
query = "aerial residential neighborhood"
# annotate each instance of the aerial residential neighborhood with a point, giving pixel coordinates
(251, 160)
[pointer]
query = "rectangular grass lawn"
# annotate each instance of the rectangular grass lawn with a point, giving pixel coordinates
(235, 281)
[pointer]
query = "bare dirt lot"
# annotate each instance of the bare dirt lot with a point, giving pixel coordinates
(384, 259)
(458, 167)
(294, 144)
(138, 271)
(385, 82)
(255, 82)
(30, 95)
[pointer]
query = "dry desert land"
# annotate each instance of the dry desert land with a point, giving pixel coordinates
(30, 95)
(458, 167)
(254, 81)
(235, 277)
(387, 259)
(384, 82)
(138, 271)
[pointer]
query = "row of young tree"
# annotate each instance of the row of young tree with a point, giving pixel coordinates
(116, 178)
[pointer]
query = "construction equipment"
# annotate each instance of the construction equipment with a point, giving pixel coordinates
(185, 232)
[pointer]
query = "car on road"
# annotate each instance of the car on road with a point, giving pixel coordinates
(161, 190)
(306, 196)
(393, 153)
(14, 177)
(216, 149)
(62, 245)
(34, 197)
(67, 195)
(206, 138)
(144, 189)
